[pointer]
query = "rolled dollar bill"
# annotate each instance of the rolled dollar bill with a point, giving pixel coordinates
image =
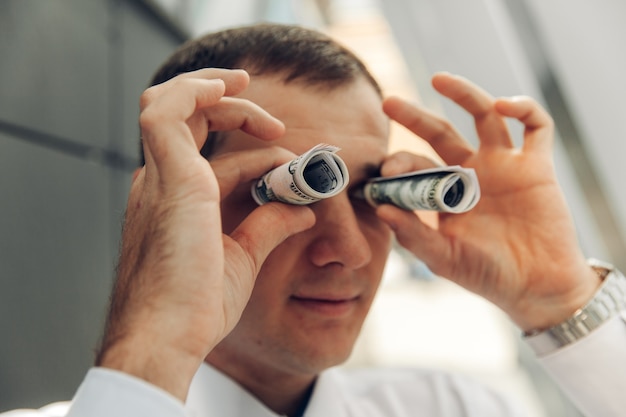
(316, 174)
(450, 189)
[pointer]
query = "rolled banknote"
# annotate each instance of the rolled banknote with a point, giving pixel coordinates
(316, 174)
(450, 189)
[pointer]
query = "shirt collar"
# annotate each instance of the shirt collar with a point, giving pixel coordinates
(328, 398)
(214, 394)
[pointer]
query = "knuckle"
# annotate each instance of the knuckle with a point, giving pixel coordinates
(445, 131)
(147, 97)
(148, 120)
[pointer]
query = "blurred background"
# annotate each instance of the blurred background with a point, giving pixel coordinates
(71, 72)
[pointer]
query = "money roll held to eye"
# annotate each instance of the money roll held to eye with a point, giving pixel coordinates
(316, 174)
(451, 189)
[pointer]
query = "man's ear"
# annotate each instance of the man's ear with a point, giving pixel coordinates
(136, 173)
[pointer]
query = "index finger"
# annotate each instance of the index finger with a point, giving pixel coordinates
(169, 143)
(438, 132)
(490, 125)
(235, 81)
(176, 123)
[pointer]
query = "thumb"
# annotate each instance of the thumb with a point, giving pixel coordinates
(268, 226)
(426, 243)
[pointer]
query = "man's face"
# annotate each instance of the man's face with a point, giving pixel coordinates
(315, 289)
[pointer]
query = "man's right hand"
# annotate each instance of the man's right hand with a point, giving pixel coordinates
(181, 283)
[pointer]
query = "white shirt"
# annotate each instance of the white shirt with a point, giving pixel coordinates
(592, 371)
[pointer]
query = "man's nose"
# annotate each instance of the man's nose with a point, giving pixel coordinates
(338, 236)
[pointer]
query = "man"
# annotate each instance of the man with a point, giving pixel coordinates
(240, 310)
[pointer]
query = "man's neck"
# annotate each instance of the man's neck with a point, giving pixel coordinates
(285, 394)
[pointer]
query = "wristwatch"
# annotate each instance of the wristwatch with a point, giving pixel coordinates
(609, 300)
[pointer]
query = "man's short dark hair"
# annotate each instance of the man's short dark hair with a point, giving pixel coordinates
(298, 54)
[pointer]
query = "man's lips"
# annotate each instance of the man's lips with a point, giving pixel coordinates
(326, 305)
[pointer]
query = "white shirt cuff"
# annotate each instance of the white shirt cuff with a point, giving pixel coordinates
(105, 392)
(592, 370)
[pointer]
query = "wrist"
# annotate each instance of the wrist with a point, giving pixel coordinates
(607, 301)
(564, 289)
(155, 363)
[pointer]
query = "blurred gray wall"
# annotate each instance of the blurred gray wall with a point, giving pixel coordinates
(71, 72)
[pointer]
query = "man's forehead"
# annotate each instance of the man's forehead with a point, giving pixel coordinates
(349, 117)
(362, 159)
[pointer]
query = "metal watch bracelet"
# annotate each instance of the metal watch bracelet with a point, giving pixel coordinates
(608, 301)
